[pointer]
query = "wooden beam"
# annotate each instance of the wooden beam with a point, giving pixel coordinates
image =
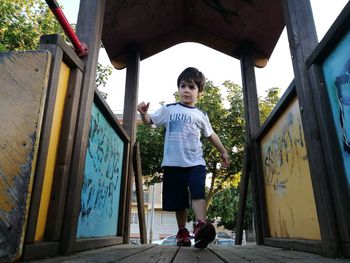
(89, 30)
(243, 194)
(252, 127)
(129, 123)
(139, 194)
(302, 41)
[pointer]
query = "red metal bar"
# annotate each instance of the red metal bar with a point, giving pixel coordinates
(80, 48)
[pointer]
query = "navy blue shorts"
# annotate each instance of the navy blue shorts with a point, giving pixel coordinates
(181, 184)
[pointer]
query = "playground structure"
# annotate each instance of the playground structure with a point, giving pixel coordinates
(66, 163)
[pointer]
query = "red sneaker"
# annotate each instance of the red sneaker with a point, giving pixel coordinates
(183, 238)
(204, 233)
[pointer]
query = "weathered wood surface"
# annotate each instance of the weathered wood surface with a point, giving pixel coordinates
(156, 253)
(23, 85)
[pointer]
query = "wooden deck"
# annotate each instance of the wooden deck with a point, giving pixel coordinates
(164, 254)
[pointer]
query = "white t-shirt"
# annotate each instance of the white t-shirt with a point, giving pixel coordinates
(183, 126)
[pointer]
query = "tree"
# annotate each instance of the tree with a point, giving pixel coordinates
(267, 103)
(229, 124)
(23, 22)
(151, 150)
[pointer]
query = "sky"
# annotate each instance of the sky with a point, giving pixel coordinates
(159, 72)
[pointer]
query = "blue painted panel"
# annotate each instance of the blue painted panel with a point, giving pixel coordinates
(336, 70)
(102, 177)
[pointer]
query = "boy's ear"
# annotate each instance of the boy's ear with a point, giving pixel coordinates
(200, 94)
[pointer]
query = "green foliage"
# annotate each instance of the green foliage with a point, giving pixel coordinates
(224, 205)
(151, 148)
(23, 22)
(103, 72)
(267, 103)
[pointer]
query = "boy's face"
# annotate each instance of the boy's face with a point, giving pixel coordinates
(188, 92)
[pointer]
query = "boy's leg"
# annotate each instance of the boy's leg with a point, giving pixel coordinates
(183, 236)
(199, 207)
(181, 218)
(204, 232)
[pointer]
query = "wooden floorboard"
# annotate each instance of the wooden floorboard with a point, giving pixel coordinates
(159, 254)
(169, 254)
(265, 254)
(190, 254)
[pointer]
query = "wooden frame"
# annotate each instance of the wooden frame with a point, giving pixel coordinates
(314, 246)
(331, 149)
(89, 29)
(89, 243)
(61, 53)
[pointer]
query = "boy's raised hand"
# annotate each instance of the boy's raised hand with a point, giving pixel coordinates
(143, 107)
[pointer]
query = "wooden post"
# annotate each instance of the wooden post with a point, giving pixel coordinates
(139, 194)
(243, 194)
(89, 30)
(129, 123)
(252, 127)
(302, 41)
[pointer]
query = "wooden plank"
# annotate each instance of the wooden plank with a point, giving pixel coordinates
(89, 29)
(155, 253)
(139, 194)
(312, 246)
(64, 155)
(265, 254)
(129, 123)
(161, 254)
(242, 254)
(53, 146)
(190, 254)
(108, 254)
(302, 40)
(23, 82)
(40, 250)
(243, 194)
(93, 243)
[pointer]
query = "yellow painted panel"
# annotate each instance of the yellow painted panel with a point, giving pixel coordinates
(23, 85)
(52, 151)
(290, 200)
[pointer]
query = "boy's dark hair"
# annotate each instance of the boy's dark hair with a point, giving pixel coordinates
(192, 74)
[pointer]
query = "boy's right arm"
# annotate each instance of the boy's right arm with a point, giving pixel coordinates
(143, 109)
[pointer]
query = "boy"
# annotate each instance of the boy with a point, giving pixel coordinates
(183, 162)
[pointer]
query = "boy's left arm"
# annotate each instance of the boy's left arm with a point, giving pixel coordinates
(215, 140)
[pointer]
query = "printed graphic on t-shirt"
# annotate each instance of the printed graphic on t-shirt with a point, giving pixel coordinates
(183, 135)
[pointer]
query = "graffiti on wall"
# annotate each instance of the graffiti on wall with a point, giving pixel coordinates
(290, 202)
(102, 177)
(285, 150)
(336, 71)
